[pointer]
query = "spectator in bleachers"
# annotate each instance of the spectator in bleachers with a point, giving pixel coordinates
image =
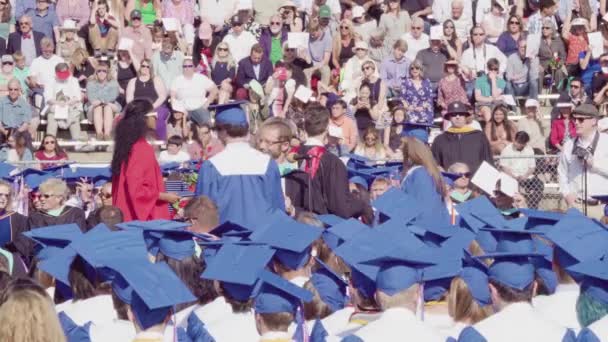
(239, 40)
(433, 60)
(417, 94)
(150, 87)
(223, 71)
(195, 91)
(272, 39)
(369, 75)
(291, 17)
(183, 11)
(395, 68)
(21, 71)
(102, 93)
(319, 49)
(546, 9)
(442, 10)
(150, 10)
(69, 41)
(126, 70)
(475, 59)
(370, 146)
(15, 111)
(244, 11)
(64, 101)
(346, 125)
(489, 89)
(174, 152)
(82, 66)
(499, 130)
(205, 145)
(25, 40)
(42, 71)
(460, 142)
(451, 42)
(552, 52)
(362, 25)
(517, 160)
(75, 10)
(507, 42)
(364, 109)
(588, 66)
(450, 87)
(522, 73)
(103, 29)
(395, 21)
(167, 62)
(7, 21)
(44, 19)
(343, 46)
(177, 124)
(50, 150)
(140, 35)
(532, 125)
(599, 81)
(577, 94)
(416, 39)
(574, 33)
(392, 134)
(6, 73)
(378, 48)
(204, 47)
(495, 21)
(461, 16)
(353, 70)
(254, 67)
(563, 128)
(19, 150)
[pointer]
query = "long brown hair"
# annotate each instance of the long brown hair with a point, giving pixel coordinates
(461, 305)
(417, 153)
(506, 123)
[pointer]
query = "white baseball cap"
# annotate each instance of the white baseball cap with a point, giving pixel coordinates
(358, 11)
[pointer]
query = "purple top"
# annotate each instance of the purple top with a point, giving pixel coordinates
(394, 72)
(422, 97)
(184, 12)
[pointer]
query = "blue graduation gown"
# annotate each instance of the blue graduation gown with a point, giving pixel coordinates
(244, 183)
(419, 184)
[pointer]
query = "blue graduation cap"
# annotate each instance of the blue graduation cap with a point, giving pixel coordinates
(176, 241)
(318, 332)
(155, 290)
(6, 170)
(514, 270)
(33, 177)
(340, 232)
(475, 274)
(238, 267)
(437, 278)
(291, 239)
(176, 244)
(230, 228)
(56, 236)
(330, 219)
(540, 217)
(594, 278)
(75, 173)
(330, 286)
(417, 130)
(360, 181)
(279, 295)
(544, 266)
(230, 113)
(57, 263)
(480, 212)
(395, 204)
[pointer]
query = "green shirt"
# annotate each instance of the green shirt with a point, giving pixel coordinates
(483, 84)
(276, 50)
(21, 75)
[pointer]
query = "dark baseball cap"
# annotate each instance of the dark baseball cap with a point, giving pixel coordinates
(135, 14)
(236, 21)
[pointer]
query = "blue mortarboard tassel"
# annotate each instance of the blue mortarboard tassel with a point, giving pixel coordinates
(197, 331)
(72, 331)
(318, 333)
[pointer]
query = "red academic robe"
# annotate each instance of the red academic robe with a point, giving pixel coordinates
(136, 189)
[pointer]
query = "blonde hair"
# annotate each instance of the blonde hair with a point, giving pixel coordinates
(228, 59)
(405, 298)
(316, 308)
(461, 305)
(28, 316)
(10, 188)
(55, 186)
(78, 57)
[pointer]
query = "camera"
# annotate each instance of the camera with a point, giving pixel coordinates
(581, 153)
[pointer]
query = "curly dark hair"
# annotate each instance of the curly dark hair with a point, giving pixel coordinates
(129, 130)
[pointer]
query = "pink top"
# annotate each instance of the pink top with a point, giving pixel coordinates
(73, 9)
(184, 11)
(142, 41)
(39, 155)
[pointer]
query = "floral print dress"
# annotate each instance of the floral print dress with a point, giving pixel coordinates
(418, 97)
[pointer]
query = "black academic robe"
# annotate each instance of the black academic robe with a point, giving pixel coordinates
(14, 241)
(331, 182)
(297, 188)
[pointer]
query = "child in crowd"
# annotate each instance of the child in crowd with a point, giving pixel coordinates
(174, 151)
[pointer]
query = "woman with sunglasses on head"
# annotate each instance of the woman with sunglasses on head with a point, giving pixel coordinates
(223, 71)
(450, 87)
(417, 95)
(103, 91)
(150, 87)
(507, 41)
(50, 150)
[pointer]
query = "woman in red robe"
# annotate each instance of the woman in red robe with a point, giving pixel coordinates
(137, 182)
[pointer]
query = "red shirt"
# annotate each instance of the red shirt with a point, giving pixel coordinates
(136, 189)
(39, 155)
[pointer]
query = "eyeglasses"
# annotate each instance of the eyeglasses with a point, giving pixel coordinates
(49, 142)
(343, 27)
(146, 66)
(368, 68)
(188, 66)
(547, 28)
(276, 23)
(580, 119)
(494, 69)
(464, 174)
(575, 86)
(222, 49)
(479, 34)
(416, 28)
(514, 22)
(24, 24)
(7, 63)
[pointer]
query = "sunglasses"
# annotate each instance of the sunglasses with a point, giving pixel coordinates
(14, 89)
(344, 27)
(275, 23)
(514, 22)
(547, 28)
(48, 142)
(144, 66)
(575, 86)
(453, 115)
(188, 66)
(414, 68)
(7, 63)
(465, 174)
(24, 24)
(368, 68)
(580, 119)
(47, 196)
(479, 34)
(494, 69)
(222, 49)
(416, 28)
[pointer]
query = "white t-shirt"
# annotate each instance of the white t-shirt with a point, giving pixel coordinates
(192, 92)
(240, 46)
(180, 157)
(44, 69)
(414, 45)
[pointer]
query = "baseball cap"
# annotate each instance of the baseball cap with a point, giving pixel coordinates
(324, 12)
(135, 14)
(358, 12)
(235, 21)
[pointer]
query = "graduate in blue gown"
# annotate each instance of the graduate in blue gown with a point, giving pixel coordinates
(423, 181)
(244, 183)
